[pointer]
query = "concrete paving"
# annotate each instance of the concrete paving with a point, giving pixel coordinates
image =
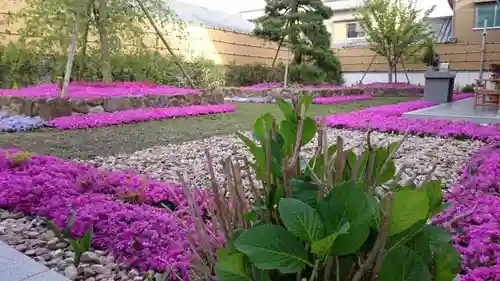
(15, 266)
(462, 110)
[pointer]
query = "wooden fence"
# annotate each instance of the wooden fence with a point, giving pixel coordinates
(461, 56)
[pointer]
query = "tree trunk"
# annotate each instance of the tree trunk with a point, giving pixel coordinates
(164, 41)
(294, 34)
(391, 68)
(83, 53)
(71, 57)
(396, 73)
(101, 15)
(278, 51)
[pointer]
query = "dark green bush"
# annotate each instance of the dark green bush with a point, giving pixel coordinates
(249, 74)
(306, 74)
(467, 89)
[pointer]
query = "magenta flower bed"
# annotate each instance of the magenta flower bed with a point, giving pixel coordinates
(341, 99)
(388, 118)
(135, 115)
(141, 235)
(87, 90)
(389, 86)
(474, 216)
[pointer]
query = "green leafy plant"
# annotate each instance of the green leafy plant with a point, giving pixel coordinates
(79, 245)
(25, 65)
(467, 89)
(339, 215)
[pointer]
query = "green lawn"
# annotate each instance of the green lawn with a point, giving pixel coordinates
(104, 141)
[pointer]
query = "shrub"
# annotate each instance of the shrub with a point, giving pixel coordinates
(467, 89)
(23, 65)
(306, 74)
(336, 216)
(250, 74)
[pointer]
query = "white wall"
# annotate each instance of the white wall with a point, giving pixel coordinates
(463, 78)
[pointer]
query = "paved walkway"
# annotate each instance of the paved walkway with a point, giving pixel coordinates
(15, 266)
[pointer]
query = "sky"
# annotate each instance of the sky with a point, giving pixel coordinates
(236, 6)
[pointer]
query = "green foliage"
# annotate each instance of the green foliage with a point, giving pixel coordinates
(394, 29)
(79, 245)
(53, 20)
(467, 89)
(301, 24)
(430, 57)
(250, 74)
(336, 216)
(25, 65)
(116, 24)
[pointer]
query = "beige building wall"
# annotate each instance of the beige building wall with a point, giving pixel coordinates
(464, 21)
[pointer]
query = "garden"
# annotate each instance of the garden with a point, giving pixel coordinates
(137, 166)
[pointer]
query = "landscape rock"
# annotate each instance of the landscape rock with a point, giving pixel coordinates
(54, 108)
(90, 257)
(71, 272)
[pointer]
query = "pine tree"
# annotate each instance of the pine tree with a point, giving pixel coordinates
(301, 23)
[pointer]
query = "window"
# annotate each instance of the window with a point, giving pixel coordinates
(354, 30)
(488, 12)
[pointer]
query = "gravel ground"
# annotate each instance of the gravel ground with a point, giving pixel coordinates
(162, 162)
(29, 235)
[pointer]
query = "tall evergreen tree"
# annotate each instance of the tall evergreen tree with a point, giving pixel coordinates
(301, 23)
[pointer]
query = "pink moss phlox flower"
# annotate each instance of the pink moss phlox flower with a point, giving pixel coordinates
(341, 99)
(144, 235)
(84, 121)
(388, 118)
(474, 215)
(89, 90)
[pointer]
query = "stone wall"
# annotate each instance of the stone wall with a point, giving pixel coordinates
(318, 92)
(53, 108)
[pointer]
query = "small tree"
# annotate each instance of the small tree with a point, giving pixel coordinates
(115, 23)
(394, 29)
(302, 23)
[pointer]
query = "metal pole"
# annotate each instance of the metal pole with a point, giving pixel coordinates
(483, 49)
(285, 80)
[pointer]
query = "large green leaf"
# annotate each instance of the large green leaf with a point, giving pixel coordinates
(387, 173)
(232, 268)
(301, 219)
(323, 247)
(419, 243)
(286, 108)
(437, 235)
(346, 203)
(403, 264)
(435, 194)
(309, 130)
(408, 207)
(305, 191)
(305, 102)
(289, 130)
(262, 126)
(316, 163)
(447, 265)
(273, 247)
(257, 152)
